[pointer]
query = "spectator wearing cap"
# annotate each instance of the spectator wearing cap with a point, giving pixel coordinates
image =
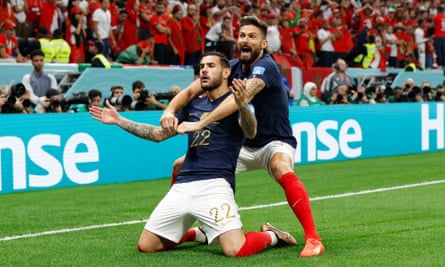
(77, 35)
(286, 34)
(37, 82)
(61, 48)
(98, 60)
(9, 45)
(176, 38)
(140, 54)
(273, 34)
(102, 31)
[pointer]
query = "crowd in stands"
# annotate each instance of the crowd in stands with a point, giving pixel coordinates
(406, 34)
(368, 34)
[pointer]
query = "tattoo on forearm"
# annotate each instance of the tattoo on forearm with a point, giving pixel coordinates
(248, 121)
(146, 131)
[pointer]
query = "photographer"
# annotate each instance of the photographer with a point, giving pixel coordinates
(340, 96)
(50, 103)
(120, 101)
(16, 101)
(144, 100)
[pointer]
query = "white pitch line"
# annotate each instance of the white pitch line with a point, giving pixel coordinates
(364, 192)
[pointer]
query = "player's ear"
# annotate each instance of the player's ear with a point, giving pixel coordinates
(264, 44)
(226, 73)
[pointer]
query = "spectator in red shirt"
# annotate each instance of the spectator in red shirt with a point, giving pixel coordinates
(33, 14)
(302, 38)
(192, 29)
(176, 38)
(160, 31)
(49, 16)
(6, 12)
(9, 46)
(343, 41)
(77, 35)
(125, 31)
(439, 36)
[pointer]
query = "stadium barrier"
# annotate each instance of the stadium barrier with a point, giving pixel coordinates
(63, 150)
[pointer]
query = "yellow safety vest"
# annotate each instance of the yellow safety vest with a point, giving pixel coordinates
(104, 60)
(366, 60)
(412, 65)
(47, 49)
(62, 50)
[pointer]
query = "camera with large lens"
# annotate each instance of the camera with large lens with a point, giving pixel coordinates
(17, 90)
(123, 100)
(140, 103)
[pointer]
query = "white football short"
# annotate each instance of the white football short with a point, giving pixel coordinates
(258, 158)
(211, 202)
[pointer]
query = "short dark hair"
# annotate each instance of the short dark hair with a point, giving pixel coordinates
(253, 20)
(93, 93)
(37, 52)
(138, 84)
(222, 58)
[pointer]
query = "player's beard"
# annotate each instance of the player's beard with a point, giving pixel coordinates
(212, 84)
(254, 54)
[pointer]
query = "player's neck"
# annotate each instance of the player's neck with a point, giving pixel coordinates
(218, 92)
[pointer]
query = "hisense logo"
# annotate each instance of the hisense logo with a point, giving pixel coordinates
(44, 160)
(328, 140)
(432, 124)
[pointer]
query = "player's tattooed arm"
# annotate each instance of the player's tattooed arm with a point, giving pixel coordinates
(146, 131)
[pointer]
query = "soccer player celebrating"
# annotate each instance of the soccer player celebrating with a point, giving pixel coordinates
(273, 148)
(204, 187)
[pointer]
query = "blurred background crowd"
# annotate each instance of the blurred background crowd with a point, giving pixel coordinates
(380, 34)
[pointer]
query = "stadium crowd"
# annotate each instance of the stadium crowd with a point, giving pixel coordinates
(367, 34)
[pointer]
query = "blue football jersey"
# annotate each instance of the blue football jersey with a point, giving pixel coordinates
(212, 151)
(271, 105)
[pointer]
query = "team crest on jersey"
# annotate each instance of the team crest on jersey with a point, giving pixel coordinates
(258, 70)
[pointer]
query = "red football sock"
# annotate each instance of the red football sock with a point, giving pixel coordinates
(190, 235)
(172, 181)
(255, 242)
(298, 200)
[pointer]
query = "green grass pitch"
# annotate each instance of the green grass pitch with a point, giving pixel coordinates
(386, 211)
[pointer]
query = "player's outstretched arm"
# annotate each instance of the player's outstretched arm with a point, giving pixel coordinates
(109, 115)
(168, 119)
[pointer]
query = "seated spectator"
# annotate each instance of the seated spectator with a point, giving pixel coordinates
(38, 82)
(140, 53)
(98, 60)
(309, 96)
(9, 45)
